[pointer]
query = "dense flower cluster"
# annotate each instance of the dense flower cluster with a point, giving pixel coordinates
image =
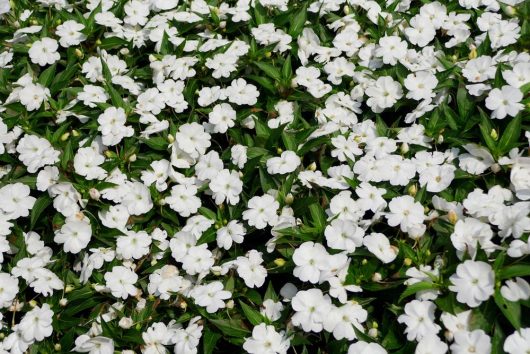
(267, 176)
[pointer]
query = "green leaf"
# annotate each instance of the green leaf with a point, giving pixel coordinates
(287, 69)
(270, 293)
(518, 270)
(231, 327)
(40, 204)
(464, 103)
(270, 70)
(47, 76)
(209, 340)
(253, 316)
(297, 25)
(414, 288)
(318, 216)
(510, 310)
(485, 129)
(510, 136)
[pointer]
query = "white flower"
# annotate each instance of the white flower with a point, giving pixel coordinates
(8, 289)
(233, 232)
(86, 163)
(455, 323)
(133, 245)
(35, 152)
(211, 296)
(261, 211)
(120, 280)
(249, 268)
(44, 51)
(75, 234)
(112, 126)
(93, 345)
(518, 342)
(421, 85)
(473, 282)
(33, 95)
(310, 259)
(265, 340)
(91, 95)
(311, 308)
(227, 186)
(36, 324)
(361, 347)
(241, 93)
(183, 199)
(192, 139)
(199, 259)
(383, 93)
(419, 319)
(516, 290)
(380, 247)
(70, 33)
(504, 101)
(222, 117)
(342, 321)
(137, 198)
(16, 201)
(431, 344)
(476, 341)
(391, 49)
(344, 235)
(519, 178)
(286, 163)
(406, 212)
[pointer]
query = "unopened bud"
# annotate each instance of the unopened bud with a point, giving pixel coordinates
(126, 322)
(413, 190)
(98, 42)
(124, 51)
(280, 262)
(109, 154)
(57, 347)
(222, 24)
(170, 138)
(132, 158)
(510, 10)
(494, 135)
(75, 133)
(63, 302)
(452, 216)
(495, 168)
(364, 261)
(58, 22)
(94, 193)
(230, 304)
(79, 53)
(404, 148)
(346, 9)
(65, 136)
(289, 198)
(279, 150)
(373, 332)
(473, 53)
(312, 166)
(407, 262)
(440, 139)
(183, 305)
(32, 303)
(376, 277)
(69, 288)
(268, 54)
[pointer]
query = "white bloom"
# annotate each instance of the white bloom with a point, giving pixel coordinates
(75, 234)
(286, 163)
(504, 101)
(120, 281)
(473, 282)
(37, 324)
(44, 51)
(419, 319)
(265, 340)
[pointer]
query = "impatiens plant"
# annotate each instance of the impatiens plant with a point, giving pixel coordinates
(264, 176)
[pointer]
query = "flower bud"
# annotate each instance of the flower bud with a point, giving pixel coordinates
(440, 139)
(69, 288)
(124, 51)
(346, 9)
(132, 158)
(289, 198)
(280, 262)
(79, 53)
(57, 347)
(75, 133)
(94, 193)
(32, 303)
(65, 136)
(473, 53)
(452, 216)
(510, 11)
(230, 304)
(279, 151)
(407, 262)
(126, 322)
(98, 42)
(404, 148)
(364, 261)
(413, 190)
(495, 168)
(373, 332)
(222, 24)
(376, 277)
(170, 138)
(312, 166)
(494, 135)
(183, 304)
(63, 302)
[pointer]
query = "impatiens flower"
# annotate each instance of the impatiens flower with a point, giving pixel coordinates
(35, 152)
(518, 342)
(70, 33)
(133, 244)
(310, 259)
(516, 290)
(476, 341)
(112, 126)
(421, 85)
(419, 319)
(251, 270)
(87, 163)
(211, 296)
(379, 245)
(8, 289)
(227, 186)
(362, 347)
(405, 212)
(266, 340)
(44, 51)
(383, 94)
(75, 234)
(96, 345)
(342, 321)
(431, 344)
(16, 200)
(311, 308)
(344, 235)
(504, 101)
(222, 117)
(473, 282)
(286, 163)
(183, 199)
(120, 281)
(261, 211)
(36, 324)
